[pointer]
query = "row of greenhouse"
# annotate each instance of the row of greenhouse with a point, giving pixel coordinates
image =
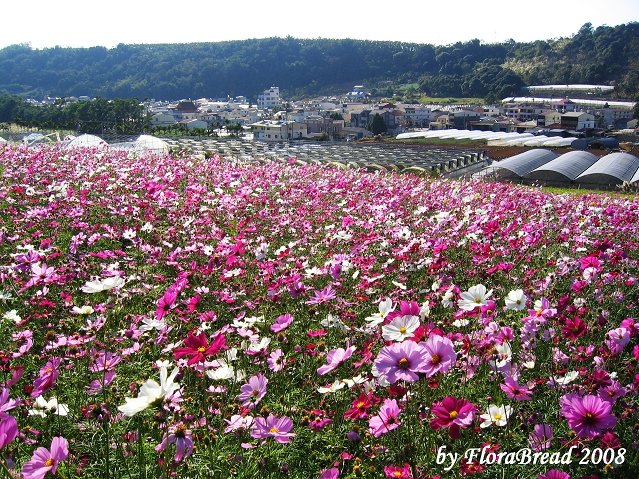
(493, 138)
(141, 144)
(576, 167)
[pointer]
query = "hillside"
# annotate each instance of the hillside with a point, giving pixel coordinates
(309, 67)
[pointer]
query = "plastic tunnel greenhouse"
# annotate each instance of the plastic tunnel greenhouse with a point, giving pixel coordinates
(563, 169)
(518, 166)
(610, 171)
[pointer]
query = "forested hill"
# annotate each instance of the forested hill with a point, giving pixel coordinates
(605, 55)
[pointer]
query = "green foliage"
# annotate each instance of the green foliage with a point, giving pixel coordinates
(377, 125)
(316, 66)
(123, 116)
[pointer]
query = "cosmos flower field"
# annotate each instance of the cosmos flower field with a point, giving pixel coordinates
(173, 316)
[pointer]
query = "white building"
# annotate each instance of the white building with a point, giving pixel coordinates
(269, 99)
(272, 130)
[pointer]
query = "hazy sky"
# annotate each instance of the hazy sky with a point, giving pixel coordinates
(75, 23)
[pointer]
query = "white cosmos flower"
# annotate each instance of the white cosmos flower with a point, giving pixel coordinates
(516, 300)
(152, 323)
(496, 416)
(12, 316)
(103, 284)
(225, 371)
(42, 407)
(86, 309)
(563, 380)
(475, 297)
(150, 392)
(375, 319)
(334, 322)
(331, 388)
(504, 356)
(400, 328)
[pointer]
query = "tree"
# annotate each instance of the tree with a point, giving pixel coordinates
(377, 125)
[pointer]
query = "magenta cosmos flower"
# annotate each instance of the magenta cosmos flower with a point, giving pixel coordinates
(279, 428)
(554, 474)
(8, 429)
(440, 354)
(588, 415)
(402, 361)
(198, 349)
(452, 413)
(45, 460)
(398, 472)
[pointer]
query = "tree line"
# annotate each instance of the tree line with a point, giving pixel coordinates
(301, 67)
(98, 116)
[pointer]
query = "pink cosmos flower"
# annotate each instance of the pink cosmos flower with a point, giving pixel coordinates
(47, 378)
(398, 472)
(104, 361)
(253, 391)
(45, 460)
(452, 413)
(282, 322)
(8, 429)
(514, 390)
(402, 361)
(276, 360)
(279, 428)
(332, 473)
(440, 354)
(541, 437)
(238, 421)
(6, 404)
(323, 296)
(386, 420)
(334, 358)
(588, 416)
(617, 339)
(181, 437)
(554, 474)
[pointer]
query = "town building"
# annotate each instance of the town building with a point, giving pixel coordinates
(269, 99)
(278, 130)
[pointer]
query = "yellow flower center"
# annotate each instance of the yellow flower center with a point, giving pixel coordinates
(274, 430)
(201, 349)
(453, 414)
(402, 330)
(498, 416)
(435, 359)
(49, 462)
(403, 363)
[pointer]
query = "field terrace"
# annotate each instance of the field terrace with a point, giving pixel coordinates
(308, 321)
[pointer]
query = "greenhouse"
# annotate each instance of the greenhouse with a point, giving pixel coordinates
(518, 166)
(87, 141)
(610, 171)
(563, 169)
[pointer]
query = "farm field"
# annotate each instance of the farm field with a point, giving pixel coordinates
(174, 316)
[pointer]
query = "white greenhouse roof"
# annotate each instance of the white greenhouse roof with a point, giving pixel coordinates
(611, 169)
(602, 88)
(522, 164)
(564, 168)
(87, 141)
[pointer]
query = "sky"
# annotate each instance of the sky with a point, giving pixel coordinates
(75, 23)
